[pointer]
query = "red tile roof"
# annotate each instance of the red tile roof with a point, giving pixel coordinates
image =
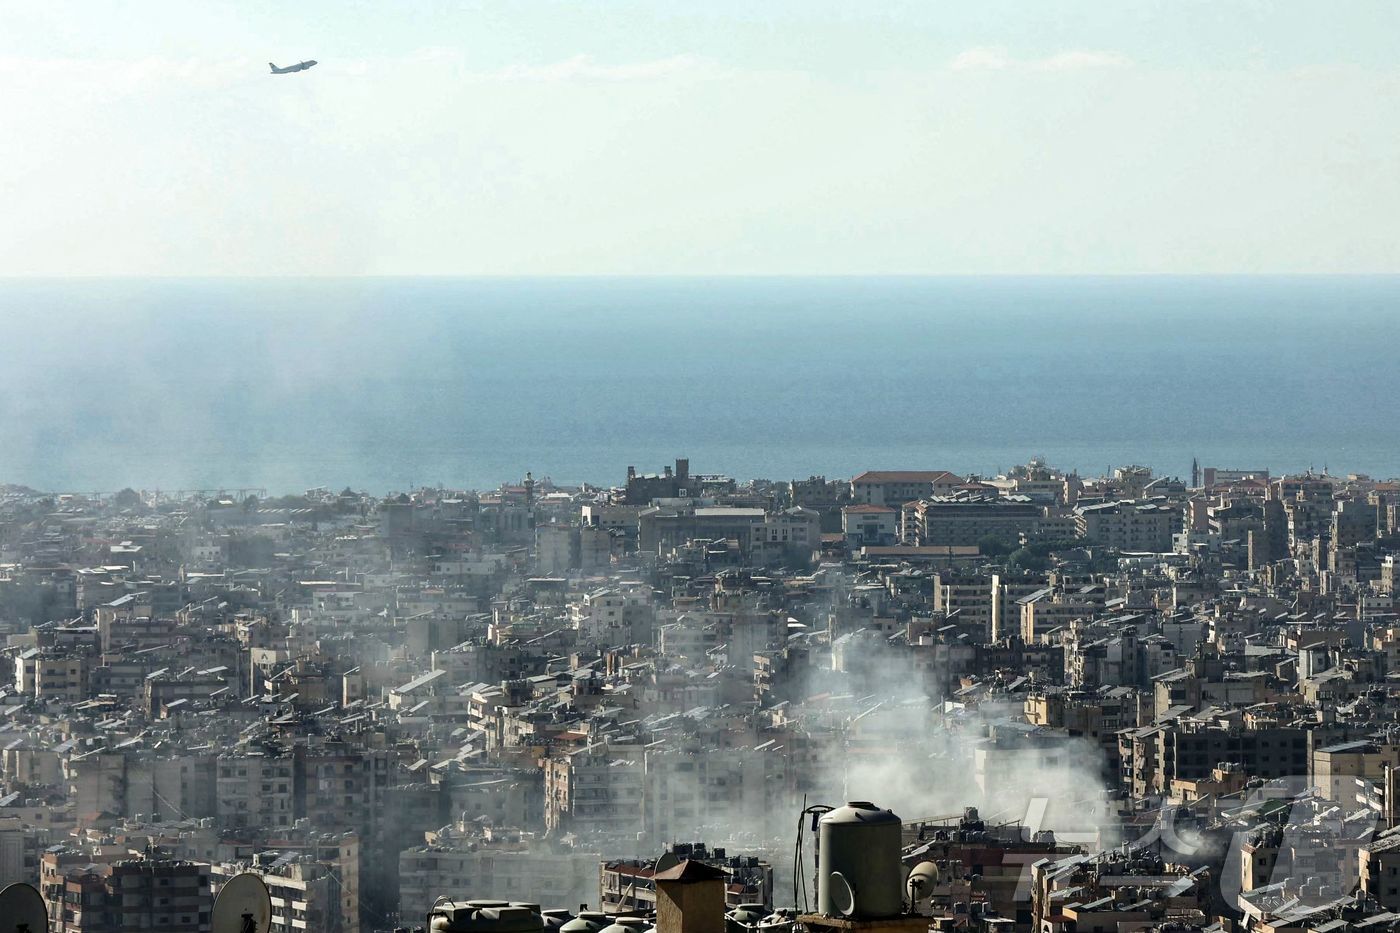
(906, 476)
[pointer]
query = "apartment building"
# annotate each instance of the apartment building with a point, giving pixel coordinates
(1128, 525)
(155, 895)
(895, 487)
(965, 519)
(699, 789)
(307, 896)
(256, 788)
(597, 789)
(47, 676)
(21, 847)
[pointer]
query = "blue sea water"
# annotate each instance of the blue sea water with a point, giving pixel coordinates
(382, 384)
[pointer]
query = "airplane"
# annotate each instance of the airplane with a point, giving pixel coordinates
(299, 66)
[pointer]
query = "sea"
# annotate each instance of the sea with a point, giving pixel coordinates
(387, 384)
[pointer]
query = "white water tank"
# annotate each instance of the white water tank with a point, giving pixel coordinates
(860, 873)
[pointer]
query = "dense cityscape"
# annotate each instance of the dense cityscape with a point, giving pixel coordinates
(1112, 703)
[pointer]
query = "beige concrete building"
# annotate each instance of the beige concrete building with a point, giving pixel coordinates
(308, 896)
(896, 487)
(21, 847)
(255, 789)
(1128, 525)
(52, 676)
(597, 789)
(1335, 768)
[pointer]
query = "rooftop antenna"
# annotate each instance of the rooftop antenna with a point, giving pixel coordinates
(243, 906)
(21, 905)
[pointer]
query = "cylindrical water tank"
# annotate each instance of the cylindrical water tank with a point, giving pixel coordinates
(555, 917)
(617, 927)
(482, 916)
(745, 916)
(860, 874)
(583, 924)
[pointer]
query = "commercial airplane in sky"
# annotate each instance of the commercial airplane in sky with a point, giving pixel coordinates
(299, 66)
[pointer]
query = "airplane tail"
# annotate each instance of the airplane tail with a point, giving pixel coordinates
(272, 66)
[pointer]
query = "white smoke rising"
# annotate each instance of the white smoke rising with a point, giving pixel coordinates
(881, 728)
(925, 757)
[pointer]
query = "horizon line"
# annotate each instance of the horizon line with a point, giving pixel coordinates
(737, 276)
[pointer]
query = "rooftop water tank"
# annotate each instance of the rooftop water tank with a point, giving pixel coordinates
(861, 875)
(556, 917)
(587, 921)
(617, 927)
(483, 917)
(745, 916)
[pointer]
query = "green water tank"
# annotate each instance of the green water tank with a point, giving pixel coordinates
(860, 875)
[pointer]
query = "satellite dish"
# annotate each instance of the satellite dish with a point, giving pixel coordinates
(668, 860)
(21, 905)
(843, 896)
(243, 906)
(920, 882)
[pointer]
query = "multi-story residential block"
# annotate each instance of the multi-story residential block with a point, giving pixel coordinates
(1128, 526)
(21, 847)
(895, 487)
(128, 895)
(256, 788)
(968, 518)
(306, 894)
(57, 677)
(595, 790)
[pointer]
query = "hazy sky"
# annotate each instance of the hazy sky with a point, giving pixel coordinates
(704, 136)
